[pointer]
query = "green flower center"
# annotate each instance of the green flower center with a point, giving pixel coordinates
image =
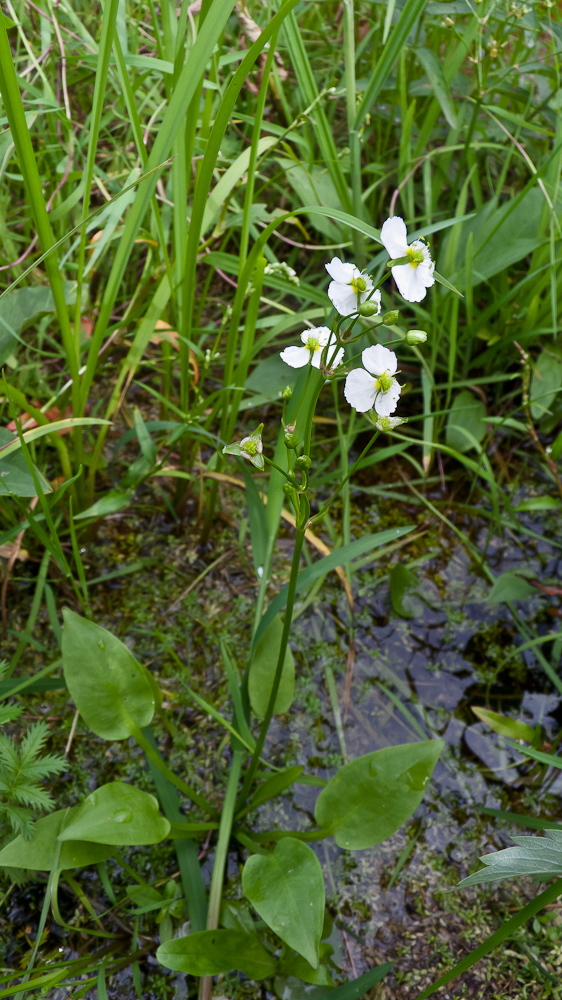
(384, 382)
(415, 256)
(251, 447)
(359, 285)
(313, 344)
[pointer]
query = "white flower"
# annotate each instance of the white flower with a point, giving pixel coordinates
(415, 277)
(375, 387)
(314, 343)
(349, 287)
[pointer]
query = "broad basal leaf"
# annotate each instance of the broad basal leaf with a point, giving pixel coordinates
(286, 887)
(466, 422)
(109, 687)
(118, 814)
(44, 851)
(509, 586)
(371, 797)
(262, 672)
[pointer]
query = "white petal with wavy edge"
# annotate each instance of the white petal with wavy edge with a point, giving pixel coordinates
(378, 360)
(360, 390)
(386, 402)
(296, 357)
(394, 237)
(340, 271)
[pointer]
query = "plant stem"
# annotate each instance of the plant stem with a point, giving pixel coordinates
(299, 540)
(225, 829)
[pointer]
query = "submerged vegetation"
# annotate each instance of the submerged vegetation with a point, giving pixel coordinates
(280, 497)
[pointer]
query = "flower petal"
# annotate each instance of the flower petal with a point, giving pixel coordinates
(340, 271)
(359, 390)
(343, 298)
(426, 273)
(386, 402)
(296, 357)
(379, 359)
(394, 237)
(323, 334)
(411, 284)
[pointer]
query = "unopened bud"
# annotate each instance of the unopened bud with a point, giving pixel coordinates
(287, 392)
(303, 462)
(369, 308)
(291, 440)
(288, 490)
(390, 317)
(416, 337)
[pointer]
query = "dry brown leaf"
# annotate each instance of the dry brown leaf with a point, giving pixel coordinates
(7, 551)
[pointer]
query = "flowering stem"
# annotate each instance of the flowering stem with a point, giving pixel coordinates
(320, 514)
(250, 774)
(278, 468)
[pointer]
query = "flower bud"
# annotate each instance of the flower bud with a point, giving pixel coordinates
(390, 317)
(303, 462)
(291, 440)
(288, 490)
(369, 308)
(416, 337)
(287, 392)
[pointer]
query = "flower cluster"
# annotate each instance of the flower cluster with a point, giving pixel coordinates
(352, 293)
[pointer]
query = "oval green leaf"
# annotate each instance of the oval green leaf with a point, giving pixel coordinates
(44, 852)
(118, 814)
(16, 478)
(286, 888)
(403, 586)
(466, 422)
(110, 688)
(509, 586)
(504, 726)
(207, 953)
(371, 797)
(262, 672)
